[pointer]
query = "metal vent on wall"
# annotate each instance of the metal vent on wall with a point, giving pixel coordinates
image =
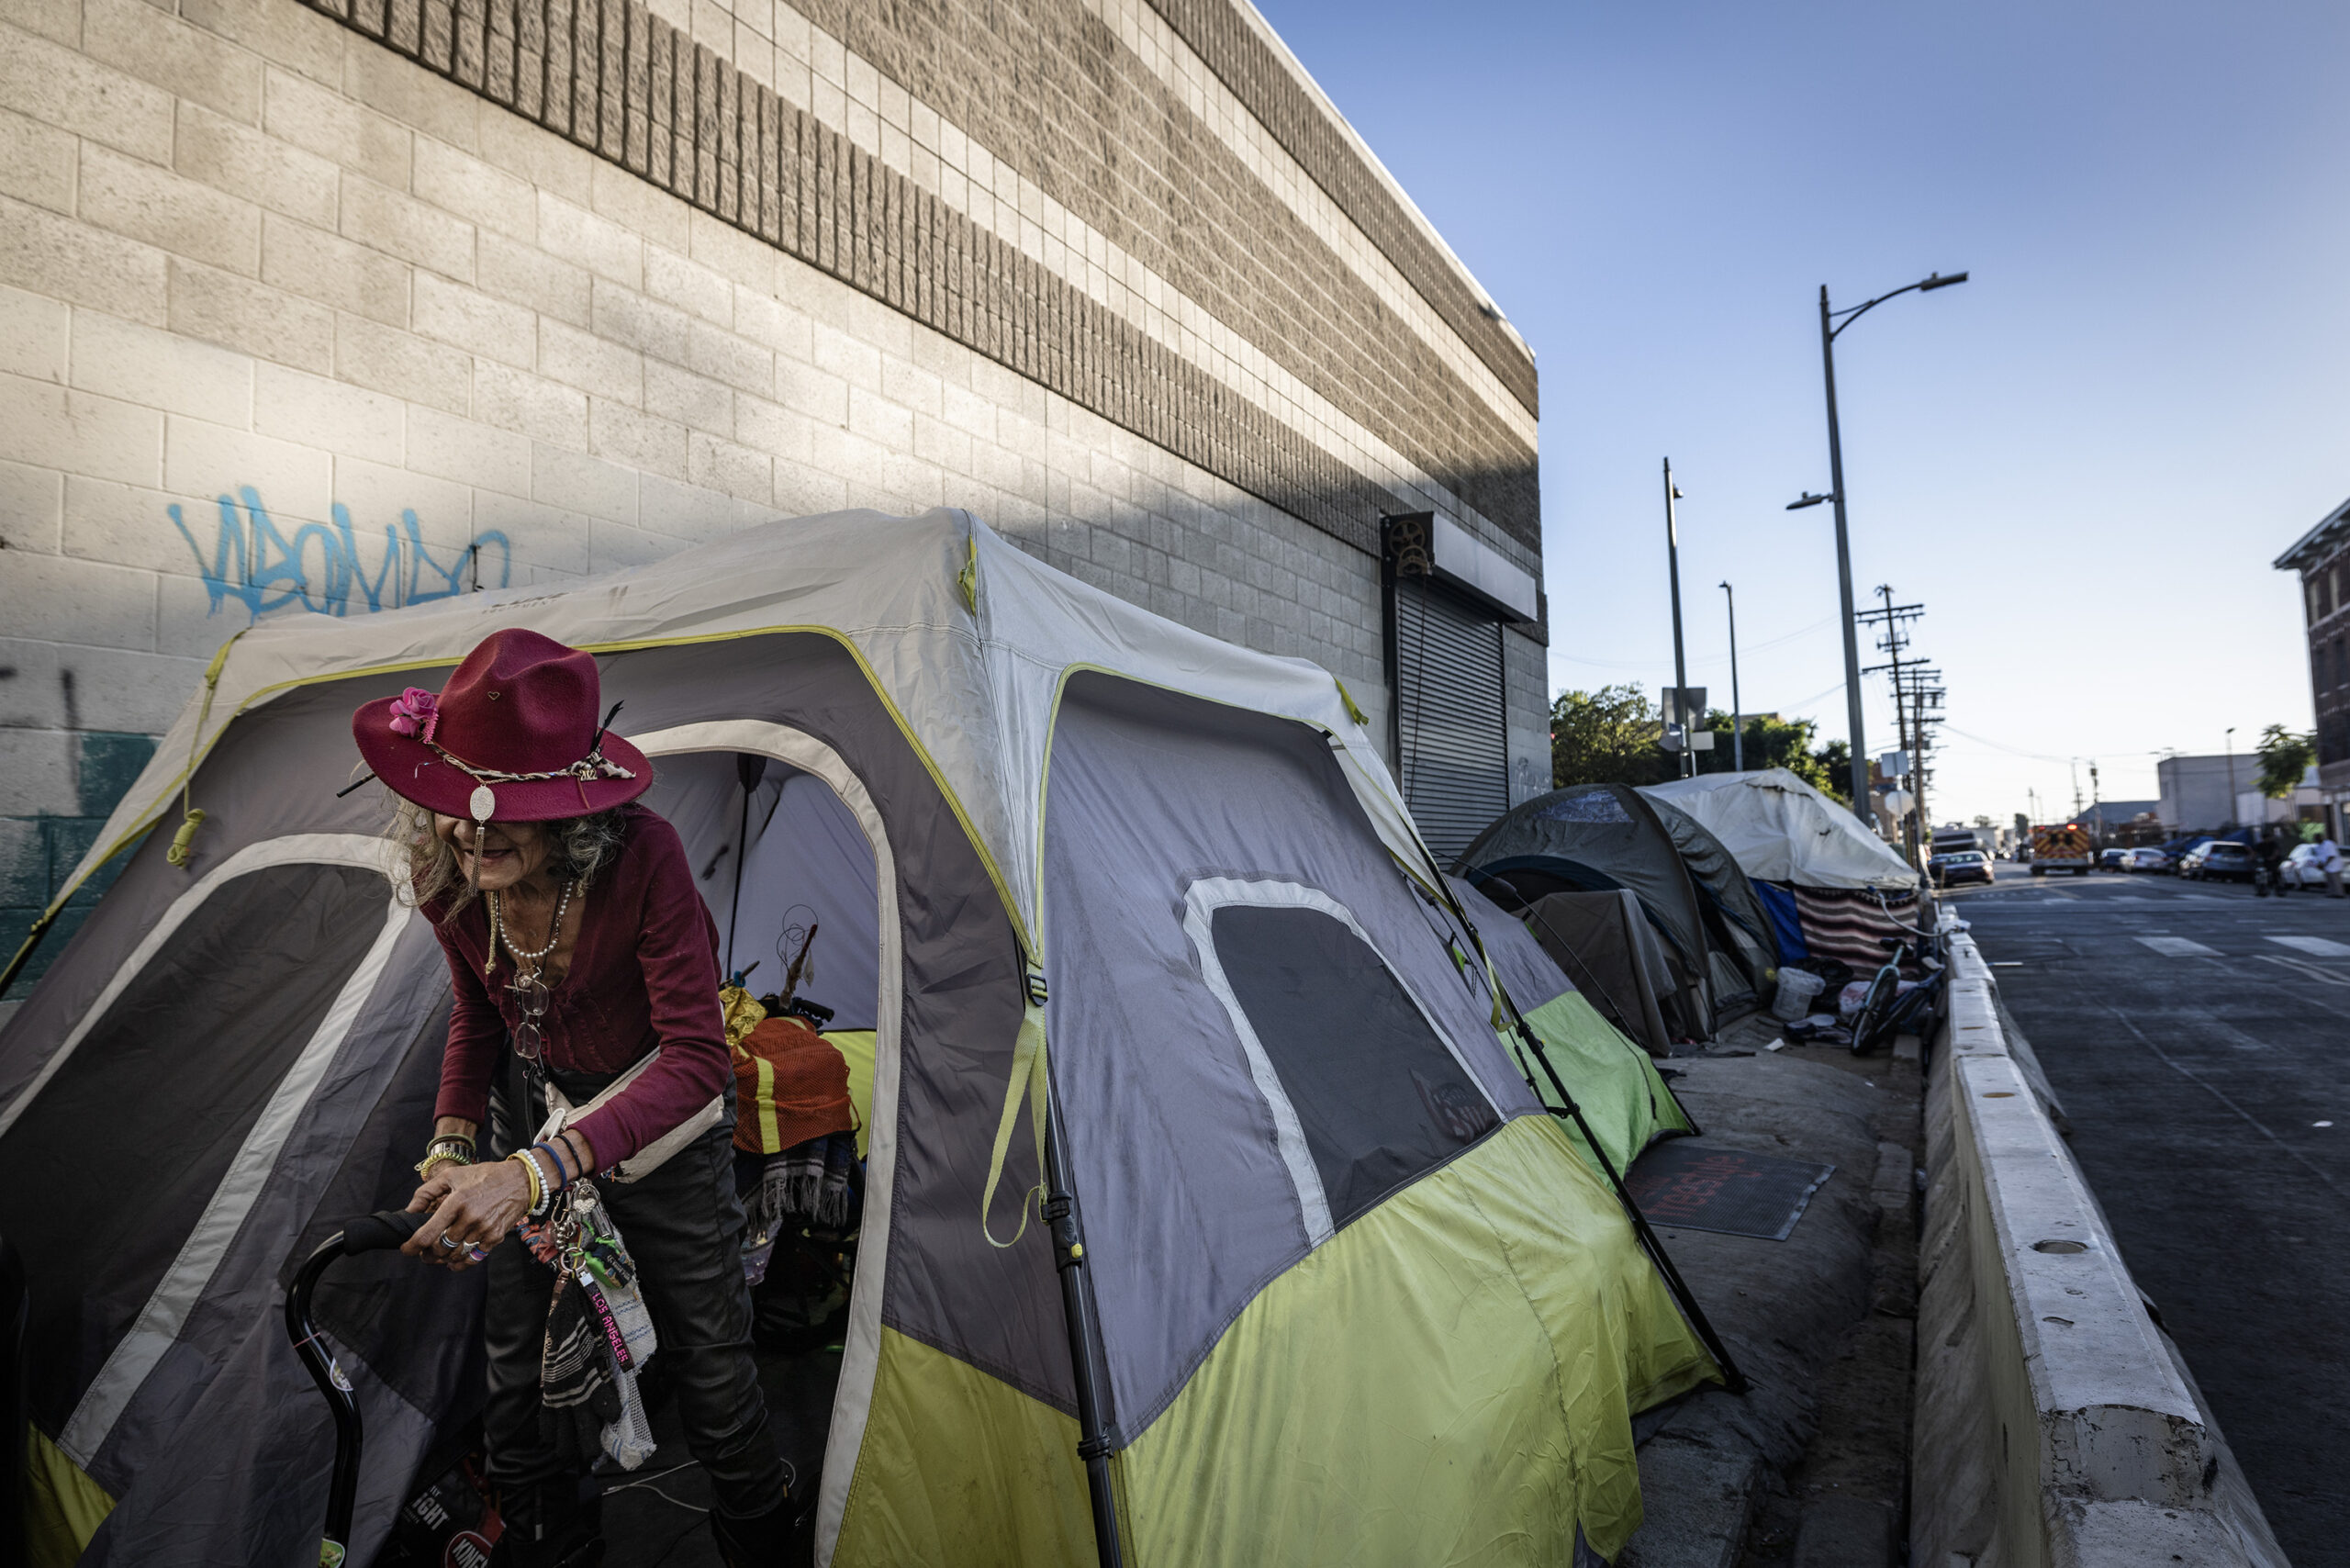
(1451, 724)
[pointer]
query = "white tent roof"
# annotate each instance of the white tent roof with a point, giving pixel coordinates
(1780, 829)
(967, 638)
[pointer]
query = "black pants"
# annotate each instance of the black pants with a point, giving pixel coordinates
(683, 1228)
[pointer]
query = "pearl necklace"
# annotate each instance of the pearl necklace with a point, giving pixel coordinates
(497, 934)
(530, 995)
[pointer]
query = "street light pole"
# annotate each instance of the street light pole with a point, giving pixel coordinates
(2231, 744)
(1737, 717)
(1686, 763)
(1829, 326)
(1860, 757)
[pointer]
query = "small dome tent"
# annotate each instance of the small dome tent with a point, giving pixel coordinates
(1334, 1246)
(1624, 1098)
(1598, 837)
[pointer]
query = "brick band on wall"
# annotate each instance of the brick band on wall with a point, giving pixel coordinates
(1245, 63)
(614, 78)
(1048, 89)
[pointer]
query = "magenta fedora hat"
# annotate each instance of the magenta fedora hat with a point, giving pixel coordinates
(512, 737)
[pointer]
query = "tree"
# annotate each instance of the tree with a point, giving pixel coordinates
(1613, 735)
(2285, 757)
(1828, 771)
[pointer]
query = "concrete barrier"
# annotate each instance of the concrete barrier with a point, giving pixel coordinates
(2055, 1423)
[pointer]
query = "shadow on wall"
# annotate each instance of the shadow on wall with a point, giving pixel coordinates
(37, 854)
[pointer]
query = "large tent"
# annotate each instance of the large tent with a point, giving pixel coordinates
(1599, 838)
(1782, 830)
(1851, 890)
(1351, 1294)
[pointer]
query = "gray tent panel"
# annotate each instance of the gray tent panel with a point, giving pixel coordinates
(813, 868)
(1530, 976)
(1151, 796)
(1735, 915)
(1605, 942)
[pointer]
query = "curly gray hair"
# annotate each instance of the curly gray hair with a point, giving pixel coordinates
(424, 866)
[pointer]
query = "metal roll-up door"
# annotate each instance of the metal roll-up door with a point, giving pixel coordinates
(1453, 734)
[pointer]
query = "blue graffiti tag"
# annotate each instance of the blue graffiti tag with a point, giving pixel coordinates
(259, 568)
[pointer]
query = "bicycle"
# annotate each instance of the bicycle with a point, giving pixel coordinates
(1886, 1011)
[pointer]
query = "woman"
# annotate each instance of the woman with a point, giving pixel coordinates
(585, 972)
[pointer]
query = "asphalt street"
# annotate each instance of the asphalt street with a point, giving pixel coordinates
(2198, 1036)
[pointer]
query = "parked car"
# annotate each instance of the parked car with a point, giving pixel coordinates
(2148, 860)
(2112, 859)
(1959, 866)
(2221, 861)
(2300, 867)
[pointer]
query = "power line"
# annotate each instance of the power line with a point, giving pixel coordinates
(1709, 659)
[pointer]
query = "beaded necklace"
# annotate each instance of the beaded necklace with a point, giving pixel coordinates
(531, 994)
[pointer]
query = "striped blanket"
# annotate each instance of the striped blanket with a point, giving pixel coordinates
(1848, 922)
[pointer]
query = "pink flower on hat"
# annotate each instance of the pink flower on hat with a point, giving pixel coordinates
(416, 712)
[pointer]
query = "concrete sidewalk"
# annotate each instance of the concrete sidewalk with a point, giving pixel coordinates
(1808, 1467)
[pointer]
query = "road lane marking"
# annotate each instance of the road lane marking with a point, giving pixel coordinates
(2302, 966)
(2316, 946)
(2178, 947)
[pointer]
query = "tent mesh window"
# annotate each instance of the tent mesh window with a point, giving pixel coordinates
(1451, 722)
(170, 1080)
(1380, 1098)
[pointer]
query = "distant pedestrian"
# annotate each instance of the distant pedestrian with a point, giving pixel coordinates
(2264, 877)
(2329, 860)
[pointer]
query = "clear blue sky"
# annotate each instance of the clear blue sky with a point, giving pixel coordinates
(2082, 462)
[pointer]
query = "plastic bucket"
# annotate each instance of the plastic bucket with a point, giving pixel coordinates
(1796, 988)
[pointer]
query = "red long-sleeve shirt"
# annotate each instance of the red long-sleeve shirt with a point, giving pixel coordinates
(643, 973)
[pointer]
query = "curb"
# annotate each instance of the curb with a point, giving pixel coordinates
(2052, 1424)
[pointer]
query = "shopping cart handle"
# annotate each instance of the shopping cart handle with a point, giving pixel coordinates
(380, 1232)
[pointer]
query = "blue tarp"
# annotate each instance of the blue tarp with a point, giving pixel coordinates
(1779, 903)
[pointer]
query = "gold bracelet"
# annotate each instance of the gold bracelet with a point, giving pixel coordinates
(538, 1183)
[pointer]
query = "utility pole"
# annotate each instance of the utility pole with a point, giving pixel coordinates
(1688, 758)
(1737, 719)
(1925, 691)
(2097, 803)
(2076, 789)
(2231, 777)
(1893, 620)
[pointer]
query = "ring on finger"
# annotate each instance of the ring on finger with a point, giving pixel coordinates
(448, 1243)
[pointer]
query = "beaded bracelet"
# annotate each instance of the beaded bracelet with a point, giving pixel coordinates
(538, 1183)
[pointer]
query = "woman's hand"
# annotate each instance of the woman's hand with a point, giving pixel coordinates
(470, 1206)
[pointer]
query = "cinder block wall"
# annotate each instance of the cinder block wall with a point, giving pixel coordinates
(327, 310)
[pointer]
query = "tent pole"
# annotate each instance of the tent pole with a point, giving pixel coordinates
(1732, 1379)
(39, 929)
(1084, 1335)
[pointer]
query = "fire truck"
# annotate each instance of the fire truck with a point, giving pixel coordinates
(2063, 847)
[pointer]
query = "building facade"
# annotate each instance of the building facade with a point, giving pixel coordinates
(326, 309)
(2198, 793)
(2322, 559)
